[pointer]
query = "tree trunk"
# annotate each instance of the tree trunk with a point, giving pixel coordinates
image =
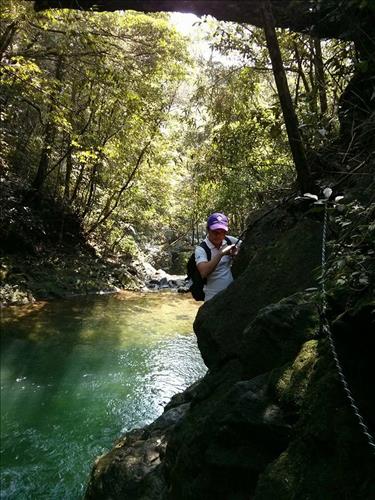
(320, 80)
(303, 171)
(68, 173)
(108, 210)
(49, 139)
(88, 202)
(41, 174)
(77, 185)
(66, 194)
(7, 38)
(301, 73)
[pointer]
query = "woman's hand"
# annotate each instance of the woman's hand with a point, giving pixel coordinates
(230, 250)
(206, 268)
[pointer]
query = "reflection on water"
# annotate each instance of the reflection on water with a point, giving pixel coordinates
(77, 373)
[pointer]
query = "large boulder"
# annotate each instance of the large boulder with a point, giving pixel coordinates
(280, 256)
(215, 439)
(224, 443)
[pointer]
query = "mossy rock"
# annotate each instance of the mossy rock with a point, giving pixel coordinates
(329, 456)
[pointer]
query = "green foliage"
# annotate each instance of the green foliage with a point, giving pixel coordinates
(106, 113)
(239, 153)
(351, 267)
(300, 58)
(86, 96)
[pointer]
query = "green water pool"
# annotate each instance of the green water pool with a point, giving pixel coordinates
(77, 373)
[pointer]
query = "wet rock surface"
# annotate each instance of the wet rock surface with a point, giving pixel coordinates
(161, 280)
(133, 469)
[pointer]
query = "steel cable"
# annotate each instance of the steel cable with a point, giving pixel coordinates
(327, 331)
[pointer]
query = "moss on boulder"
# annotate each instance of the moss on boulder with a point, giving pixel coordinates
(328, 456)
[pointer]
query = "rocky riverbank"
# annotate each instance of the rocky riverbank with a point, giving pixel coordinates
(44, 254)
(25, 280)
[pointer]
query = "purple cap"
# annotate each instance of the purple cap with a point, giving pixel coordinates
(217, 221)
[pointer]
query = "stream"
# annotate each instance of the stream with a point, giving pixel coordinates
(77, 373)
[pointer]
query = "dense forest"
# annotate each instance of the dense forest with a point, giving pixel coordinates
(116, 119)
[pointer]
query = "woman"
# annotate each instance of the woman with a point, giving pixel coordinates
(217, 269)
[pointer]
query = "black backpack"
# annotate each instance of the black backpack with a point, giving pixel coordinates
(194, 275)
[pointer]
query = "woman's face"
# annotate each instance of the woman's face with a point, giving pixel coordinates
(216, 236)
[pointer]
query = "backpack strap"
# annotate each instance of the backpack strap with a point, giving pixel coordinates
(206, 248)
